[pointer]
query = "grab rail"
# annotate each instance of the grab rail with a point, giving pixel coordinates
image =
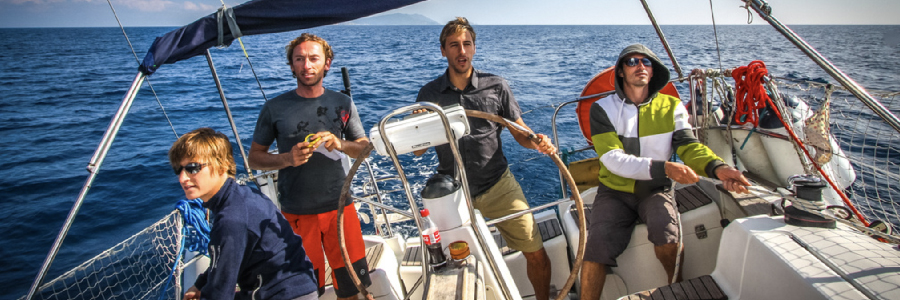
(562, 181)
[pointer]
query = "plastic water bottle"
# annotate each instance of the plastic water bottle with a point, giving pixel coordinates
(432, 239)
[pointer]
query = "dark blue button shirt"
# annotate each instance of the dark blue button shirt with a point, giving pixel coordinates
(482, 149)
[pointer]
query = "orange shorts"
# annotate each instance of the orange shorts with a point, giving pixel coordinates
(320, 239)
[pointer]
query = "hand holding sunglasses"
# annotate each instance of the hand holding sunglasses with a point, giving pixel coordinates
(314, 141)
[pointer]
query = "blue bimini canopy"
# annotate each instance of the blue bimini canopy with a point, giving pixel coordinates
(257, 17)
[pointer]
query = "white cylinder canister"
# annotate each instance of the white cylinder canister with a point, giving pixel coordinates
(443, 197)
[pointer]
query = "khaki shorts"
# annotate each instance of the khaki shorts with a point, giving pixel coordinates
(505, 198)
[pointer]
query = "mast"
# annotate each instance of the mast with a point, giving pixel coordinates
(662, 38)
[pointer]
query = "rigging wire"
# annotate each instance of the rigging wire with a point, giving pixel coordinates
(116, 15)
(715, 33)
(253, 70)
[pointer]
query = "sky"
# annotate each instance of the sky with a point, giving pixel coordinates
(97, 13)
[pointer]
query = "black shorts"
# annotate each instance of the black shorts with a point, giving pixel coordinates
(614, 215)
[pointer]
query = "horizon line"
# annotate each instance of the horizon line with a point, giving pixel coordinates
(342, 24)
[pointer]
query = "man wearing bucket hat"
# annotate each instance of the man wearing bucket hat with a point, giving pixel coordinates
(635, 131)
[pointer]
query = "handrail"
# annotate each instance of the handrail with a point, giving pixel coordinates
(562, 182)
(93, 168)
(525, 212)
(390, 232)
(555, 133)
(384, 207)
(764, 10)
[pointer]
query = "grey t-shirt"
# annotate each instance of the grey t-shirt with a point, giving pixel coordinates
(314, 187)
(481, 150)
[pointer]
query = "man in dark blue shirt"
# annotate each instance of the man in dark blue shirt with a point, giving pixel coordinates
(493, 188)
(251, 244)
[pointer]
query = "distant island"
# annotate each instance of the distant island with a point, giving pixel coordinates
(394, 19)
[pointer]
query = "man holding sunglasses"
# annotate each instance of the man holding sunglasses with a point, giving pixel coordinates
(315, 129)
(250, 244)
(635, 131)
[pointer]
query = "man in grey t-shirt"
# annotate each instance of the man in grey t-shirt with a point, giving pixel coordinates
(315, 128)
(494, 189)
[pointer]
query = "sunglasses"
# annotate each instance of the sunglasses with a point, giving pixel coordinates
(631, 62)
(191, 168)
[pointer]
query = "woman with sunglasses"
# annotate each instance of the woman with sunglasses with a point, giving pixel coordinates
(251, 245)
(635, 131)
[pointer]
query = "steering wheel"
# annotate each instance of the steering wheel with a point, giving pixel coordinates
(576, 195)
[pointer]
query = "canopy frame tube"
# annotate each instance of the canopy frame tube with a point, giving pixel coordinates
(93, 169)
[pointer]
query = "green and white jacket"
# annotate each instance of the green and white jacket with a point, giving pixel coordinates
(634, 142)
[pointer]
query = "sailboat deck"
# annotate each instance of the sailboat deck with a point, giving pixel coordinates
(703, 287)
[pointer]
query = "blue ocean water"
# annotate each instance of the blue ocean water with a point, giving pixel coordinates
(60, 87)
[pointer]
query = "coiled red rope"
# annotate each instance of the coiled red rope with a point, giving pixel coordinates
(750, 96)
(750, 93)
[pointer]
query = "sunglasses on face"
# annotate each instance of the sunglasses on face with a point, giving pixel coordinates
(191, 168)
(631, 62)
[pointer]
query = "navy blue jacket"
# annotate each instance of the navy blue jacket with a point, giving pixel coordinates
(251, 244)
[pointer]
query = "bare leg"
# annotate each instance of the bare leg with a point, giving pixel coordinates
(538, 265)
(667, 255)
(593, 277)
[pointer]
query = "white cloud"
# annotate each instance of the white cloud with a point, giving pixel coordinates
(188, 5)
(37, 2)
(143, 5)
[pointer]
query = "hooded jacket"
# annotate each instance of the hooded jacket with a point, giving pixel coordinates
(634, 141)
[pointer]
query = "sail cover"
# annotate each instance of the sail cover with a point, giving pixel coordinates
(257, 17)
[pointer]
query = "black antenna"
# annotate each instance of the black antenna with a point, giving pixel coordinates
(346, 76)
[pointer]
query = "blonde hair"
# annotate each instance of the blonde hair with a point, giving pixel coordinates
(456, 26)
(204, 144)
(308, 37)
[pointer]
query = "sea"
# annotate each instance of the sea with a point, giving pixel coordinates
(60, 87)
